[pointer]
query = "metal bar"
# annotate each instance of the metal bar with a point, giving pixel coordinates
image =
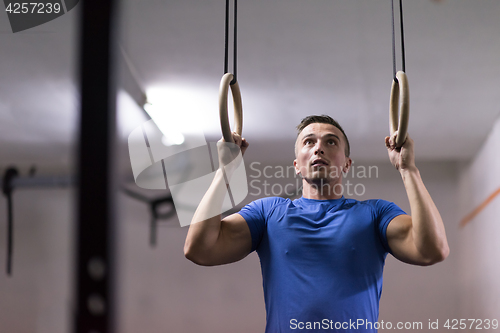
(130, 81)
(95, 248)
(10, 233)
(9, 175)
(48, 181)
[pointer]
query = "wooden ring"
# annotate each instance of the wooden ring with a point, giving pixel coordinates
(398, 119)
(238, 111)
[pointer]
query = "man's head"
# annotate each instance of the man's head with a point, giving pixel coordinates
(321, 150)
(324, 119)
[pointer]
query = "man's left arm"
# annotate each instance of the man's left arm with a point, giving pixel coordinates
(419, 239)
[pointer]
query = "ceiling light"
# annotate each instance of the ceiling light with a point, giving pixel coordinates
(173, 139)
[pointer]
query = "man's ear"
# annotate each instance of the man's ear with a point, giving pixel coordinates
(297, 170)
(347, 165)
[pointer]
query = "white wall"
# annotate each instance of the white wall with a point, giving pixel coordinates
(37, 297)
(480, 251)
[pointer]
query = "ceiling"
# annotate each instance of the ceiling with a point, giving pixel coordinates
(295, 58)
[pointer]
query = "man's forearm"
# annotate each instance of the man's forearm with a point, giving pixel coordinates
(206, 223)
(428, 229)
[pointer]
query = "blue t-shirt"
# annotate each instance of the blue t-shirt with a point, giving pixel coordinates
(321, 260)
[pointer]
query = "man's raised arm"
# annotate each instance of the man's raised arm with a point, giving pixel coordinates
(210, 240)
(421, 238)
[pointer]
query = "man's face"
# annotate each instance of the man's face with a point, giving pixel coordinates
(320, 153)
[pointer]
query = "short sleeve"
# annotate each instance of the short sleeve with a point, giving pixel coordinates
(255, 214)
(385, 212)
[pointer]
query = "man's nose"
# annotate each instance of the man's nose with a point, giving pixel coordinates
(318, 150)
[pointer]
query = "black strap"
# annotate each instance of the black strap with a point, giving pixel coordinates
(402, 35)
(226, 44)
(393, 43)
(7, 189)
(394, 38)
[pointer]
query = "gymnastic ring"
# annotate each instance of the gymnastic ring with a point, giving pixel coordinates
(400, 94)
(238, 111)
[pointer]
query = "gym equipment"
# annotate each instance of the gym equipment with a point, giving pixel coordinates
(230, 80)
(399, 106)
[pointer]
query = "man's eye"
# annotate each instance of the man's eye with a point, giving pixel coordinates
(331, 142)
(307, 142)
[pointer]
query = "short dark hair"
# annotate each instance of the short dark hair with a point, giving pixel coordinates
(324, 119)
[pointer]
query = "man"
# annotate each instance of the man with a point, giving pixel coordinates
(322, 255)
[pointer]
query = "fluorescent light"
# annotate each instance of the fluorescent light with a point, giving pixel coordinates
(182, 111)
(173, 139)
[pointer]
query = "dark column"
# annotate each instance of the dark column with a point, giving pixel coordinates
(95, 300)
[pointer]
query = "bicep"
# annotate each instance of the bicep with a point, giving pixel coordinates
(400, 239)
(234, 242)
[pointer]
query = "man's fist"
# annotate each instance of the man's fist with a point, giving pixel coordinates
(402, 158)
(228, 151)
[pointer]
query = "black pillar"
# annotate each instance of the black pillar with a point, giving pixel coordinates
(95, 300)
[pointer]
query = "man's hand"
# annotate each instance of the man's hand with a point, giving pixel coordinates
(402, 158)
(229, 151)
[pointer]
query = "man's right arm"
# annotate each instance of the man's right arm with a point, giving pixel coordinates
(211, 241)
